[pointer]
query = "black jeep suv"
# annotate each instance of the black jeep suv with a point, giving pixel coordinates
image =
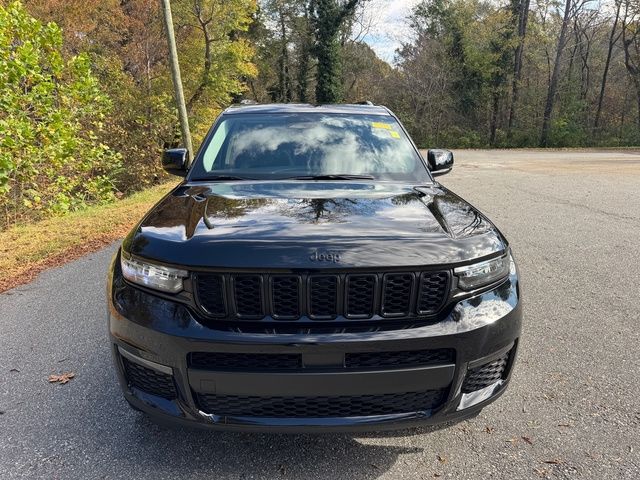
(310, 275)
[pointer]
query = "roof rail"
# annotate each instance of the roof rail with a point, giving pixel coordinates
(248, 101)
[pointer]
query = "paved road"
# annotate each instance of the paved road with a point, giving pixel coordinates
(573, 219)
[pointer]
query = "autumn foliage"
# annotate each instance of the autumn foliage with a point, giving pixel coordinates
(86, 94)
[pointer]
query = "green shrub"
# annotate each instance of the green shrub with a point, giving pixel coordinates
(568, 132)
(51, 112)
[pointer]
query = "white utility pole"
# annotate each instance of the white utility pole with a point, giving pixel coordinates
(177, 78)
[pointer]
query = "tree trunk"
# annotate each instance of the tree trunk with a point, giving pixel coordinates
(612, 41)
(494, 119)
(517, 64)
(284, 82)
(304, 62)
(329, 15)
(303, 75)
(553, 84)
(206, 72)
(636, 82)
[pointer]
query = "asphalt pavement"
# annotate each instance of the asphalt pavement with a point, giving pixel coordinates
(572, 410)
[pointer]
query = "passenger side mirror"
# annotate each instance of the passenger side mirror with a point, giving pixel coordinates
(174, 161)
(439, 161)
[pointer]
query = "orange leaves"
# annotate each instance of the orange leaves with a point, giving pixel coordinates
(61, 379)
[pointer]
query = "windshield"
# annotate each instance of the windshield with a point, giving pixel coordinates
(333, 146)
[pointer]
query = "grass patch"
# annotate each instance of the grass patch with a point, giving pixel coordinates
(26, 250)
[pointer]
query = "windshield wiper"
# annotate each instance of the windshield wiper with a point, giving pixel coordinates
(342, 176)
(224, 177)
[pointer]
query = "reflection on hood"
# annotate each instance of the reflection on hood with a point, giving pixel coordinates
(369, 223)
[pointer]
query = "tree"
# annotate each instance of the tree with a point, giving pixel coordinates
(51, 110)
(366, 77)
(304, 51)
(521, 7)
(631, 45)
(614, 36)
(555, 76)
(127, 48)
(500, 46)
(284, 16)
(328, 16)
(225, 55)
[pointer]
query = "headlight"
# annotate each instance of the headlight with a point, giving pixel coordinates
(483, 273)
(153, 276)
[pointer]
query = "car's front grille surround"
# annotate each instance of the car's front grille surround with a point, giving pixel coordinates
(320, 406)
(321, 296)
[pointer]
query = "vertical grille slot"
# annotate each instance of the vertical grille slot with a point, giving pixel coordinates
(247, 291)
(433, 290)
(323, 297)
(211, 294)
(396, 296)
(360, 295)
(285, 297)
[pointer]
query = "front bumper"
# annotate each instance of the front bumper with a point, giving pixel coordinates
(155, 337)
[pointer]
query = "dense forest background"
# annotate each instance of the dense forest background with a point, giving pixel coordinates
(86, 102)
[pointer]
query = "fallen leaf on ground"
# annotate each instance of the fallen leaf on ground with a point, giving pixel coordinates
(61, 379)
(528, 440)
(541, 472)
(442, 459)
(489, 429)
(512, 440)
(553, 462)
(565, 425)
(14, 370)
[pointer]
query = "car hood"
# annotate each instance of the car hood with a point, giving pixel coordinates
(294, 224)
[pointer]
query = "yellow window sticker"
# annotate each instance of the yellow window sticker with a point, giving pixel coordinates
(386, 126)
(395, 134)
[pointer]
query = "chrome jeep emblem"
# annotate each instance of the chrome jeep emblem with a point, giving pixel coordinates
(333, 257)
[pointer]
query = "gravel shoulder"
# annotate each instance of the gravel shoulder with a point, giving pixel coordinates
(572, 410)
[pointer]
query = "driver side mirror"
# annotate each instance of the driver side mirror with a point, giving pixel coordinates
(439, 161)
(175, 160)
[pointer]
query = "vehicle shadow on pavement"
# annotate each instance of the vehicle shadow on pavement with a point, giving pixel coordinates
(239, 455)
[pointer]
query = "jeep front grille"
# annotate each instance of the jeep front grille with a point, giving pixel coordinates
(321, 297)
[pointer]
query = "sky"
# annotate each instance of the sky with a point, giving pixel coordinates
(388, 25)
